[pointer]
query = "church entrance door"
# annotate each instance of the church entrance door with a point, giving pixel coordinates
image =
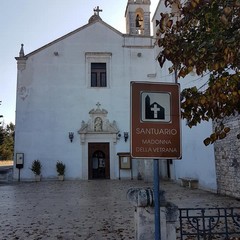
(98, 161)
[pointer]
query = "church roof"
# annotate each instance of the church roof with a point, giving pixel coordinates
(93, 20)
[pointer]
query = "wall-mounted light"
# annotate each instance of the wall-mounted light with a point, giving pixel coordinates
(119, 135)
(71, 136)
(125, 136)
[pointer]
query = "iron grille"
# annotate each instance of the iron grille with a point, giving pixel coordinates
(209, 223)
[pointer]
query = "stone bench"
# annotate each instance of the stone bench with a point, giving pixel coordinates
(191, 183)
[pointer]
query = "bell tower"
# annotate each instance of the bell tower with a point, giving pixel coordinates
(137, 16)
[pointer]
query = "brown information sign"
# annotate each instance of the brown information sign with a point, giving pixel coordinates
(155, 120)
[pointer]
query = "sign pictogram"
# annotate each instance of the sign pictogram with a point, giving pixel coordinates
(155, 107)
(155, 120)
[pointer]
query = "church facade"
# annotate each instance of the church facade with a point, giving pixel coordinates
(73, 103)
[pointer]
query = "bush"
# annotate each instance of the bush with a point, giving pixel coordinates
(36, 167)
(60, 166)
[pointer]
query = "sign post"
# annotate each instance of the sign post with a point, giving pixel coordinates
(19, 163)
(155, 129)
(156, 182)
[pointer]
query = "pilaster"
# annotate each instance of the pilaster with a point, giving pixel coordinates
(21, 60)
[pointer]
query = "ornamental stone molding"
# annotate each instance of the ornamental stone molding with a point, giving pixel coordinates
(23, 92)
(21, 60)
(98, 124)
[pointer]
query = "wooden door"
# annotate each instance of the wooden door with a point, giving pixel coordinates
(98, 161)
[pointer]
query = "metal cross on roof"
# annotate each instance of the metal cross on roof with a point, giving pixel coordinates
(97, 10)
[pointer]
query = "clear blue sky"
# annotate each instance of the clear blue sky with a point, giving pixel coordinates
(36, 23)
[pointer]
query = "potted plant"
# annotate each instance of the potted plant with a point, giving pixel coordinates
(36, 169)
(60, 166)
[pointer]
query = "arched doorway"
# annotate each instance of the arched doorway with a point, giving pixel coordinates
(98, 161)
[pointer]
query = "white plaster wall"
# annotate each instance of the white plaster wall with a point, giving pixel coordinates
(197, 161)
(58, 98)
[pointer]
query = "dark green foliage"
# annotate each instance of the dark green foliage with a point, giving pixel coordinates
(60, 166)
(36, 167)
(202, 37)
(7, 142)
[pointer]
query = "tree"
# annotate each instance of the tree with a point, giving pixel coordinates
(1, 129)
(1, 116)
(7, 142)
(204, 36)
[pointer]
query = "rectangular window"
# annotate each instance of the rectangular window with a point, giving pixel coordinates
(98, 69)
(98, 75)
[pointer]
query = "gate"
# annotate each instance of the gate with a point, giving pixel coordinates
(209, 223)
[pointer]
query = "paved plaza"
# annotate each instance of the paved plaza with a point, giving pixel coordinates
(85, 210)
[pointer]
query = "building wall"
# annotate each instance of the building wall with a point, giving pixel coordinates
(227, 152)
(54, 97)
(197, 161)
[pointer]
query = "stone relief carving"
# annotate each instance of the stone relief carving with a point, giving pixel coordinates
(98, 124)
(83, 126)
(23, 92)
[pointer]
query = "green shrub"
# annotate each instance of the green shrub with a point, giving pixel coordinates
(36, 167)
(60, 166)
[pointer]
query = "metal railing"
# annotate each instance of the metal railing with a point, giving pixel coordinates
(209, 223)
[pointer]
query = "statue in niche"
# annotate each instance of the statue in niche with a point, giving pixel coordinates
(138, 20)
(98, 124)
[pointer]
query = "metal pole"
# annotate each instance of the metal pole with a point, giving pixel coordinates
(157, 200)
(19, 174)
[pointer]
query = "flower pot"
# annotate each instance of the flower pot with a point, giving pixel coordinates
(60, 177)
(37, 178)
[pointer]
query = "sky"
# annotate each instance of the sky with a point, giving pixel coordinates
(36, 23)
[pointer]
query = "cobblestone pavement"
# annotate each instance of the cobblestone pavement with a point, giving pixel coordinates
(85, 210)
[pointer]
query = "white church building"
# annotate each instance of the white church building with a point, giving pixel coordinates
(73, 103)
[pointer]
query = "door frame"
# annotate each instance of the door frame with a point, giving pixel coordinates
(103, 147)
